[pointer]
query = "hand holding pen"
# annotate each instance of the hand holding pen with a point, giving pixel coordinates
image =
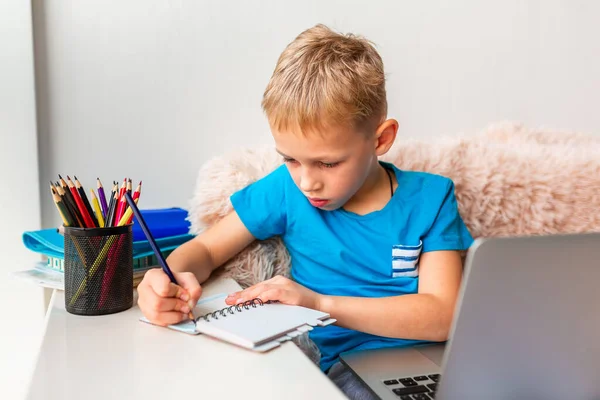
(169, 297)
(165, 303)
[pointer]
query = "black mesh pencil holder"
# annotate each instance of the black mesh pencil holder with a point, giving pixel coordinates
(98, 270)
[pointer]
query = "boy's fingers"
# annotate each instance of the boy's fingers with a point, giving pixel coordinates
(161, 284)
(171, 304)
(169, 290)
(152, 302)
(189, 282)
(161, 301)
(169, 318)
(232, 298)
(252, 292)
(163, 287)
(272, 294)
(160, 310)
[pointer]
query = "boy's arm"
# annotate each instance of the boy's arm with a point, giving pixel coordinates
(165, 303)
(212, 248)
(426, 315)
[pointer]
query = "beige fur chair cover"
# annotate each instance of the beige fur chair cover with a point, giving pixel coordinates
(509, 180)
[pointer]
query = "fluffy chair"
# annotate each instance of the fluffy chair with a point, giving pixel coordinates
(509, 180)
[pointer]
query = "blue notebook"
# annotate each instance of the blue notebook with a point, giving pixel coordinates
(163, 222)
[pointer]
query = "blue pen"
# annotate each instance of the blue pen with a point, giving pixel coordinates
(159, 256)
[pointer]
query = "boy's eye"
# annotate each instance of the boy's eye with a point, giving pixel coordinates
(329, 165)
(288, 160)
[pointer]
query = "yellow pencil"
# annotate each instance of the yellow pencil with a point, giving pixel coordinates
(97, 210)
(128, 213)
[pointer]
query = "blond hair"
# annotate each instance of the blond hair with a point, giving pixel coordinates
(324, 78)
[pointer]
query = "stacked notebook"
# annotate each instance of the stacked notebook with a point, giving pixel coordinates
(253, 325)
(169, 226)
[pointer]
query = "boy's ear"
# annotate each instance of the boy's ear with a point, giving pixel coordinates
(385, 135)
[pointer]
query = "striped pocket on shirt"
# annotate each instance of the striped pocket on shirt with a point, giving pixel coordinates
(405, 260)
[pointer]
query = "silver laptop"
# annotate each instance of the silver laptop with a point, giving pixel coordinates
(527, 327)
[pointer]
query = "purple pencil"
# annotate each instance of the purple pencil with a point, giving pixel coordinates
(102, 198)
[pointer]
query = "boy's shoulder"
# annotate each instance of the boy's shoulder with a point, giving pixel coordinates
(275, 177)
(428, 178)
(424, 190)
(421, 181)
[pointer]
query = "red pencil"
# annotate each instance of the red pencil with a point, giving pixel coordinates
(138, 190)
(120, 204)
(121, 209)
(85, 201)
(136, 196)
(87, 219)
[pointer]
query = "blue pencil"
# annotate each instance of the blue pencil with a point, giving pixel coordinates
(157, 253)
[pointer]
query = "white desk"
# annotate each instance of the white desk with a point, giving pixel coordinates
(118, 357)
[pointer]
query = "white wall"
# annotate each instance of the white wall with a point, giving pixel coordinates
(151, 89)
(21, 303)
(180, 81)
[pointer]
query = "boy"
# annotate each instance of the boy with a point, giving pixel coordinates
(374, 246)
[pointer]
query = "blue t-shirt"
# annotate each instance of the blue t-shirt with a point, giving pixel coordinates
(341, 253)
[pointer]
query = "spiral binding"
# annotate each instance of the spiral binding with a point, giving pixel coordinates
(230, 310)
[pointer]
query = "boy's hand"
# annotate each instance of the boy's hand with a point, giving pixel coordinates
(278, 288)
(165, 303)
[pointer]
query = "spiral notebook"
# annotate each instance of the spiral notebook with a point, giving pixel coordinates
(253, 325)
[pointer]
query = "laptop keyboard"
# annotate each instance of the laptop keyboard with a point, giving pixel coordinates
(420, 387)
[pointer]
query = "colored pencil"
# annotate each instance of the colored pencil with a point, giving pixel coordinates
(87, 219)
(127, 216)
(67, 221)
(119, 203)
(66, 213)
(78, 221)
(69, 198)
(102, 197)
(138, 191)
(85, 200)
(107, 222)
(115, 196)
(62, 209)
(129, 186)
(110, 219)
(136, 196)
(157, 253)
(97, 209)
(121, 209)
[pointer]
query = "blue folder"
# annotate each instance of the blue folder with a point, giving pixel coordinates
(162, 222)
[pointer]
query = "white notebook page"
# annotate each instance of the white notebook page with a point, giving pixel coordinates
(257, 325)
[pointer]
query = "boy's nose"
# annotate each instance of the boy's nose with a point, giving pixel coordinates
(308, 184)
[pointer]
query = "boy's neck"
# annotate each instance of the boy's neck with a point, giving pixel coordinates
(374, 193)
